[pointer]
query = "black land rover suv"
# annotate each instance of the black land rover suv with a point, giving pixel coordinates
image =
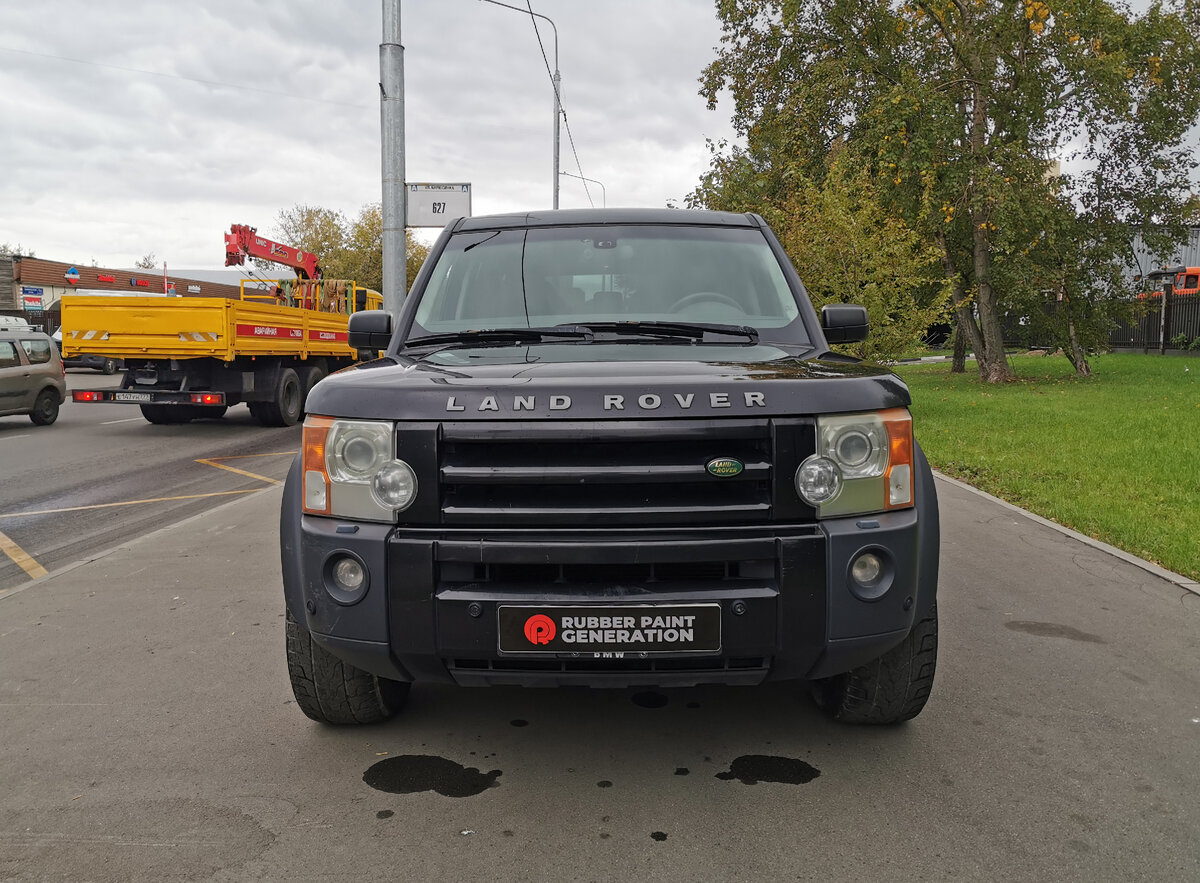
(610, 448)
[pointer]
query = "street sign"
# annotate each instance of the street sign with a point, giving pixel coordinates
(31, 297)
(432, 205)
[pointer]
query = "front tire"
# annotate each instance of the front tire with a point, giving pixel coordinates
(331, 691)
(45, 408)
(888, 690)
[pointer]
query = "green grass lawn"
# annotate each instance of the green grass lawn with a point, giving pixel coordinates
(1116, 457)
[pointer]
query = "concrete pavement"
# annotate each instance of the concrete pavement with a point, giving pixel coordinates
(148, 733)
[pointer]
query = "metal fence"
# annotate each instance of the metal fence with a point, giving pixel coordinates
(1183, 325)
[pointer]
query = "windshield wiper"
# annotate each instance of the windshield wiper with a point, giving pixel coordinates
(499, 336)
(692, 330)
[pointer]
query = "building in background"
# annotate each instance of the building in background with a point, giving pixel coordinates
(33, 287)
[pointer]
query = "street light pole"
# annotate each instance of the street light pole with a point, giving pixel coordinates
(391, 104)
(603, 193)
(557, 116)
(556, 81)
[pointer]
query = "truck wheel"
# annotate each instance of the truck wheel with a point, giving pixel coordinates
(890, 689)
(285, 408)
(109, 366)
(331, 691)
(310, 377)
(45, 408)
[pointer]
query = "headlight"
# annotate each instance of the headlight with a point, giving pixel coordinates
(395, 485)
(872, 455)
(351, 471)
(355, 451)
(818, 480)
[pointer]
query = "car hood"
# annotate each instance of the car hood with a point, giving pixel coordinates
(604, 381)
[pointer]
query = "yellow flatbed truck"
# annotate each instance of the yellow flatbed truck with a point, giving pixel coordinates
(192, 357)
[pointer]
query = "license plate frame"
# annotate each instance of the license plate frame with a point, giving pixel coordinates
(571, 629)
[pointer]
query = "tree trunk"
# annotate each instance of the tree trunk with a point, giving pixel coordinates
(1075, 352)
(966, 332)
(959, 364)
(993, 366)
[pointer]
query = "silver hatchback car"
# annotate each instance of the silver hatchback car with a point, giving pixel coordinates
(32, 377)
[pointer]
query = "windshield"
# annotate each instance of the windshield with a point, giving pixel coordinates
(541, 277)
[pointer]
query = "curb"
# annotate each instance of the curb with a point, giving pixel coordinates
(1161, 572)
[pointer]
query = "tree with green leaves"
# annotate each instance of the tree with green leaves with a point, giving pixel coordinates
(346, 249)
(958, 110)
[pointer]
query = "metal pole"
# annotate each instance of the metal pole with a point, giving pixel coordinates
(557, 115)
(391, 111)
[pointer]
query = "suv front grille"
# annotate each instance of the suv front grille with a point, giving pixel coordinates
(604, 473)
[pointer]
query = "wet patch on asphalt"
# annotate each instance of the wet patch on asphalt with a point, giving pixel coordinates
(412, 773)
(649, 699)
(750, 769)
(1053, 630)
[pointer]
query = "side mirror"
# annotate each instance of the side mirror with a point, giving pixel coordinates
(845, 323)
(370, 330)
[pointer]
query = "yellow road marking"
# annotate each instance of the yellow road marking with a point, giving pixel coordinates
(20, 558)
(213, 462)
(209, 462)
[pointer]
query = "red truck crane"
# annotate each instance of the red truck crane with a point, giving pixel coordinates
(243, 240)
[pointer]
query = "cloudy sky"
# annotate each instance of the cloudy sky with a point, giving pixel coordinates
(253, 106)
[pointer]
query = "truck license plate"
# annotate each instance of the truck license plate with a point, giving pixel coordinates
(131, 396)
(634, 628)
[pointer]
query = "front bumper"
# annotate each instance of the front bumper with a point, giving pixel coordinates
(429, 610)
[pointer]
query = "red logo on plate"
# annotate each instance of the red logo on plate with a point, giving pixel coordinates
(539, 629)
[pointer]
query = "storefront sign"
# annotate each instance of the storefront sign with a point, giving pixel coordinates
(193, 289)
(139, 283)
(72, 275)
(104, 277)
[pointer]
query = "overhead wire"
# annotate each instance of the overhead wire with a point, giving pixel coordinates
(558, 98)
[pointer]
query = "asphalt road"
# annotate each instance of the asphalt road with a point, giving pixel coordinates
(101, 474)
(148, 733)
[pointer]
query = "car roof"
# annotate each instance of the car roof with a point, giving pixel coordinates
(597, 216)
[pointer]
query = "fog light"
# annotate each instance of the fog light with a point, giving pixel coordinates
(818, 480)
(866, 569)
(348, 575)
(872, 573)
(395, 485)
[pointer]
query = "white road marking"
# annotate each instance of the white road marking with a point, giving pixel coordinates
(126, 420)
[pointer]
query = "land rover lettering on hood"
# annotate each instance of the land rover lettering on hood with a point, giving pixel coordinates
(610, 448)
